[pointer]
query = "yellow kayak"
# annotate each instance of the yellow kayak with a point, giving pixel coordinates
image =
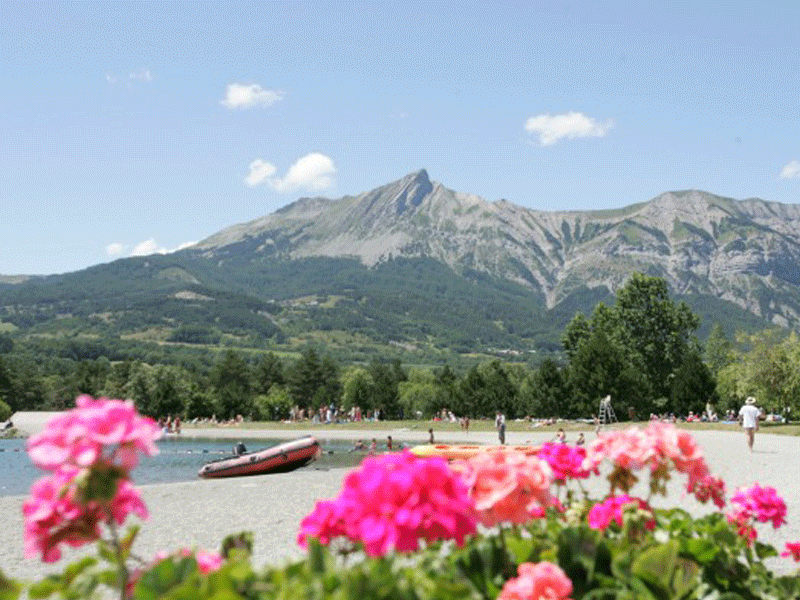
(464, 451)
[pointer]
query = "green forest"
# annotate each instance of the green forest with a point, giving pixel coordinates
(641, 348)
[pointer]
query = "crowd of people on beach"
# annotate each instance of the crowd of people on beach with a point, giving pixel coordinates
(330, 413)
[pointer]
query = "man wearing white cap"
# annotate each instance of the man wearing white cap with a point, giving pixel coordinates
(748, 416)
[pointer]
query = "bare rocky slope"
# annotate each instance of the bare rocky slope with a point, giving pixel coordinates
(746, 252)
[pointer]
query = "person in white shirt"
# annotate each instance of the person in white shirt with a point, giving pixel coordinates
(748, 416)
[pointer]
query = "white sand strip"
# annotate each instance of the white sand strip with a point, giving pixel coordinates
(201, 513)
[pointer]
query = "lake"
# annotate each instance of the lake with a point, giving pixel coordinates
(179, 459)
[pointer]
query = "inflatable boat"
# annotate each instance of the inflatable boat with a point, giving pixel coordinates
(278, 459)
(464, 451)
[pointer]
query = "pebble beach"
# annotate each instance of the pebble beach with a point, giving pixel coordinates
(201, 513)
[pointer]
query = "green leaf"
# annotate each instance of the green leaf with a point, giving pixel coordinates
(45, 587)
(702, 551)
(76, 568)
(655, 567)
(685, 577)
(9, 589)
(764, 550)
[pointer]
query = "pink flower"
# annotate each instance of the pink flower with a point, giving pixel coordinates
(90, 451)
(57, 512)
(709, 488)
(537, 581)
(393, 501)
(760, 503)
(793, 550)
(659, 448)
(565, 461)
(53, 516)
(601, 515)
(507, 486)
(81, 437)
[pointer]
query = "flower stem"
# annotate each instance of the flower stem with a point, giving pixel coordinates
(123, 569)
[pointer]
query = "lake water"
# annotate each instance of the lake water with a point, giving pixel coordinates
(179, 459)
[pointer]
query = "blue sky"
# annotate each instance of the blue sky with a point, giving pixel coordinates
(137, 128)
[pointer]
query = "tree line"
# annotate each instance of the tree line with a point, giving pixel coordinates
(642, 350)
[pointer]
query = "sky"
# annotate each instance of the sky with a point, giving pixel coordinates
(133, 128)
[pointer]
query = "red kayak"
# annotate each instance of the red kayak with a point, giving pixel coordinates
(278, 459)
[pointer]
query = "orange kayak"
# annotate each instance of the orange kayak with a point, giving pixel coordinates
(464, 451)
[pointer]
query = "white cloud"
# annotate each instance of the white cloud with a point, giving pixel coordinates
(152, 247)
(110, 78)
(791, 171)
(147, 247)
(314, 172)
(115, 249)
(245, 96)
(141, 74)
(553, 128)
(259, 171)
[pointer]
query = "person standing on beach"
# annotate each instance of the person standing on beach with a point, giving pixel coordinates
(500, 423)
(748, 416)
(430, 436)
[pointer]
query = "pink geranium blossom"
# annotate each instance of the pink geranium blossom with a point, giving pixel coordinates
(53, 516)
(101, 429)
(507, 486)
(537, 581)
(393, 501)
(90, 451)
(659, 448)
(792, 550)
(611, 510)
(565, 461)
(57, 512)
(760, 503)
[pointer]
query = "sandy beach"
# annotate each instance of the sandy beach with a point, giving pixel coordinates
(200, 513)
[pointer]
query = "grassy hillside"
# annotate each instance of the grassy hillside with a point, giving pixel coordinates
(417, 309)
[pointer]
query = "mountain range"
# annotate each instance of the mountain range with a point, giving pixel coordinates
(416, 264)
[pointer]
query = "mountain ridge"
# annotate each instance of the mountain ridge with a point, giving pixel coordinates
(699, 242)
(414, 265)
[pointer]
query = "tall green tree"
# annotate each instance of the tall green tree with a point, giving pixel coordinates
(232, 382)
(269, 372)
(545, 392)
(356, 388)
(655, 328)
(601, 368)
(648, 337)
(304, 378)
(693, 386)
(329, 391)
(719, 352)
(385, 380)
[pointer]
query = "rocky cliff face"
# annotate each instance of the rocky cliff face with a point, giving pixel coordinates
(746, 252)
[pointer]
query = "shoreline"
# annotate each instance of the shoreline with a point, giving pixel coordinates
(201, 513)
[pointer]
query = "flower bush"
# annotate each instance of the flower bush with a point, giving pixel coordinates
(408, 528)
(392, 502)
